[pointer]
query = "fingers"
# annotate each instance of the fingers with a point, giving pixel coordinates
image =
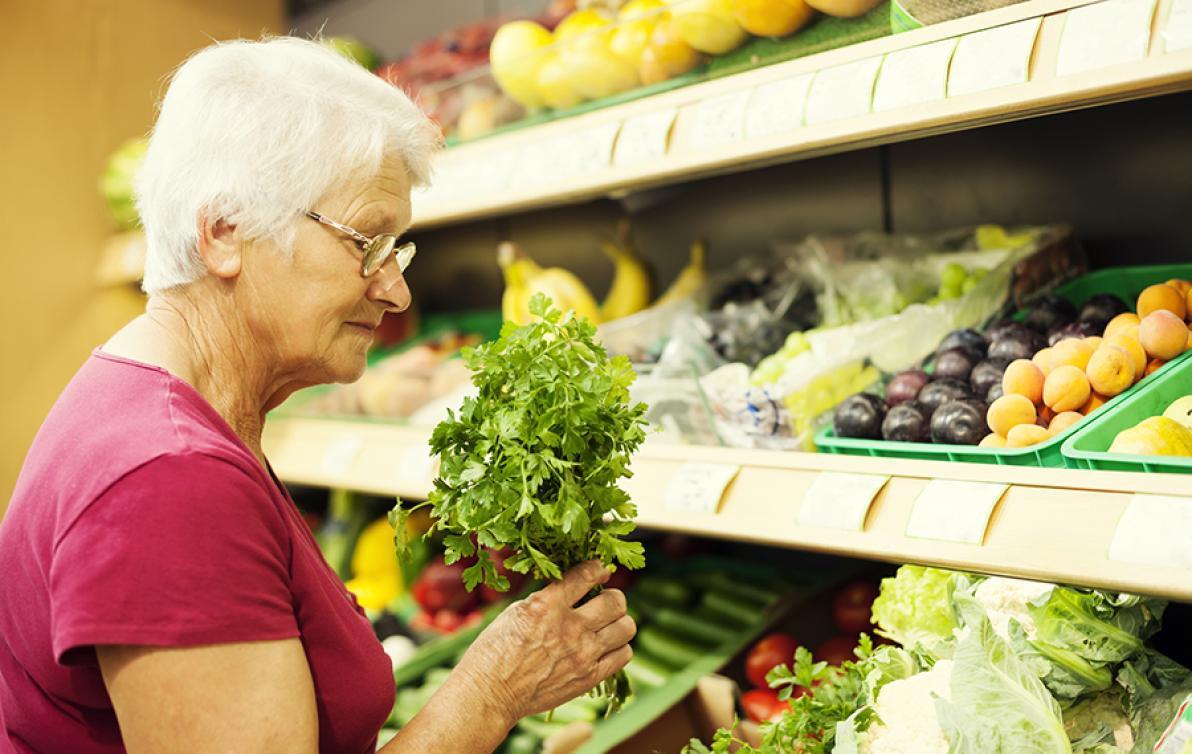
(613, 661)
(580, 580)
(616, 634)
(602, 609)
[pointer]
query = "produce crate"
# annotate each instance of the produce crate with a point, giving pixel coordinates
(1125, 282)
(1088, 447)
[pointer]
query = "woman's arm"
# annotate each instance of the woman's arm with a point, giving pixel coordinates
(245, 697)
(538, 654)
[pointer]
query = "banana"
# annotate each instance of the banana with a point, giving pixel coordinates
(524, 277)
(690, 280)
(631, 288)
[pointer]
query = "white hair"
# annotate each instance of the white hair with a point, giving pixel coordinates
(255, 133)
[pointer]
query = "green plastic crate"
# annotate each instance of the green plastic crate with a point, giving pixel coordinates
(1088, 447)
(1125, 282)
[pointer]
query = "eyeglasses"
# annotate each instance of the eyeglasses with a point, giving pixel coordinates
(376, 249)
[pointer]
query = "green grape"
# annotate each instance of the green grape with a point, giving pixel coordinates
(952, 277)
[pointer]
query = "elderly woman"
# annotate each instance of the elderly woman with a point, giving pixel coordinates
(160, 591)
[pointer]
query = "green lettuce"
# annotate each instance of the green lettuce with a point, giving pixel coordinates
(1084, 635)
(915, 609)
(997, 701)
(1155, 686)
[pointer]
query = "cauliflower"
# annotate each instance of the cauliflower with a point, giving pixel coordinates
(907, 711)
(1005, 598)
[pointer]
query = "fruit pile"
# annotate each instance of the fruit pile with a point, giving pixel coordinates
(594, 54)
(1022, 383)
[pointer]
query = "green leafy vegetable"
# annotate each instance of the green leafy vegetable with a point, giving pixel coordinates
(1155, 686)
(532, 461)
(997, 702)
(915, 609)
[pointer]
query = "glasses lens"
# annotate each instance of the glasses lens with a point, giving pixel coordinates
(405, 255)
(377, 251)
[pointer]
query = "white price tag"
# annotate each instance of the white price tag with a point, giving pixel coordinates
(1106, 33)
(840, 501)
(340, 454)
(993, 58)
(417, 467)
(719, 120)
(594, 146)
(644, 137)
(1177, 34)
(914, 76)
(1154, 530)
(954, 511)
(699, 487)
(842, 91)
(777, 106)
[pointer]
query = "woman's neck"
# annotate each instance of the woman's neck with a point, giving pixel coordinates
(198, 337)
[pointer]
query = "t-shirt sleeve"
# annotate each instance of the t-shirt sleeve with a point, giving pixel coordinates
(184, 551)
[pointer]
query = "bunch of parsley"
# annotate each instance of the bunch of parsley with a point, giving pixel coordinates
(830, 694)
(532, 461)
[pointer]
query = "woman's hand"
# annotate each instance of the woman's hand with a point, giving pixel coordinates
(543, 651)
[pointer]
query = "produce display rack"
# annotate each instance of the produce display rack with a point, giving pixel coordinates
(1051, 524)
(1026, 60)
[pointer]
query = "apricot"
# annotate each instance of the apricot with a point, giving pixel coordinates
(992, 440)
(1123, 320)
(1023, 377)
(1188, 304)
(1162, 296)
(1153, 366)
(1163, 335)
(1065, 389)
(1026, 434)
(1009, 411)
(1094, 341)
(1095, 401)
(1064, 420)
(1183, 286)
(1110, 370)
(1072, 351)
(1042, 359)
(1046, 414)
(1132, 347)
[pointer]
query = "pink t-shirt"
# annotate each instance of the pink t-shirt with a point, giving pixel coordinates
(140, 518)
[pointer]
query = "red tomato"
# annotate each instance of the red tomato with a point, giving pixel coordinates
(762, 705)
(852, 610)
(836, 650)
(775, 649)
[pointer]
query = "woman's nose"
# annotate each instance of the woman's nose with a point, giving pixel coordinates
(387, 286)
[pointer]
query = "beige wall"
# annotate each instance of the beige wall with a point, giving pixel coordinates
(78, 77)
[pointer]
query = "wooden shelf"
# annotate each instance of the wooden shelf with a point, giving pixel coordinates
(1051, 524)
(575, 160)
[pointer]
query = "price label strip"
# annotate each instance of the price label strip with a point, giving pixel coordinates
(777, 106)
(993, 58)
(417, 467)
(699, 487)
(340, 454)
(719, 120)
(842, 91)
(1154, 530)
(644, 138)
(914, 76)
(840, 501)
(593, 146)
(952, 511)
(1103, 34)
(1177, 34)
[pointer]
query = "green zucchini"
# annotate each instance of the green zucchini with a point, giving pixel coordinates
(672, 651)
(664, 591)
(730, 608)
(686, 625)
(646, 672)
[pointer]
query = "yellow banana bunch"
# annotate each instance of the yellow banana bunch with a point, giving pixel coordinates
(690, 280)
(631, 288)
(524, 277)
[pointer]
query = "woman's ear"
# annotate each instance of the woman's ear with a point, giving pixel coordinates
(220, 246)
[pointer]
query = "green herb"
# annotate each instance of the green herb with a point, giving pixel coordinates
(533, 460)
(809, 726)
